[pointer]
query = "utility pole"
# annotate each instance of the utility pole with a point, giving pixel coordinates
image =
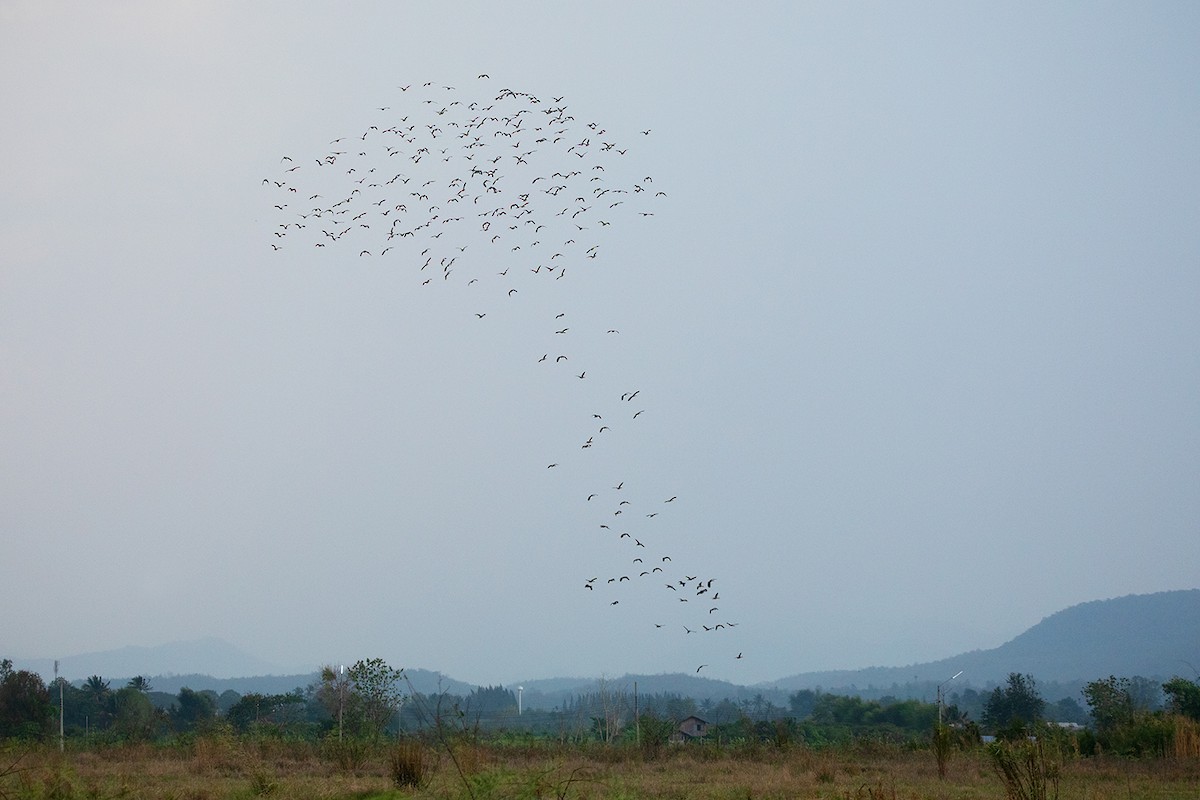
(940, 702)
(341, 690)
(637, 718)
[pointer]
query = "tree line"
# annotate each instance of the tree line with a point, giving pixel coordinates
(371, 700)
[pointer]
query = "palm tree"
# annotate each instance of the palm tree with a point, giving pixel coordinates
(141, 683)
(98, 694)
(95, 688)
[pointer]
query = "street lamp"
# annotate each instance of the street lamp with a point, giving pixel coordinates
(940, 697)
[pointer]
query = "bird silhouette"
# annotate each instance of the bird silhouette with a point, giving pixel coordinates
(474, 148)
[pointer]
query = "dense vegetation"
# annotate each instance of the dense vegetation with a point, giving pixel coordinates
(366, 723)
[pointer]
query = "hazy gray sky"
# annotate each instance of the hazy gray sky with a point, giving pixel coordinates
(914, 328)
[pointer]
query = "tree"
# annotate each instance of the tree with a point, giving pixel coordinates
(333, 694)
(96, 688)
(802, 702)
(376, 685)
(26, 710)
(141, 683)
(97, 701)
(1183, 697)
(1015, 706)
(134, 716)
(1110, 702)
(193, 711)
(1122, 717)
(274, 711)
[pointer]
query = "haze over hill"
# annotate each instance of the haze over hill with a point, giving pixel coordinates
(1153, 635)
(1148, 634)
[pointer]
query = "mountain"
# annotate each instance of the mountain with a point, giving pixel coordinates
(422, 680)
(1152, 635)
(211, 656)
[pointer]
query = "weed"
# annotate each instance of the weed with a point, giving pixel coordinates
(407, 764)
(1025, 770)
(263, 785)
(348, 755)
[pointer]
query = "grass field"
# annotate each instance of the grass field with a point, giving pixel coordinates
(225, 767)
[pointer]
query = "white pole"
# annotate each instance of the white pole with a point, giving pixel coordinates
(520, 691)
(939, 694)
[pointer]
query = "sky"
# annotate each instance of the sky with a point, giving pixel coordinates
(907, 294)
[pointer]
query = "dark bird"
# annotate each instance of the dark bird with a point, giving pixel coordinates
(702, 666)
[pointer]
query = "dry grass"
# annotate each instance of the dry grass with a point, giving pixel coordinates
(218, 769)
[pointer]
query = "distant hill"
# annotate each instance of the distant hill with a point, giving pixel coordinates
(210, 656)
(1153, 635)
(422, 680)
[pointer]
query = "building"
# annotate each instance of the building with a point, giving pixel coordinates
(691, 728)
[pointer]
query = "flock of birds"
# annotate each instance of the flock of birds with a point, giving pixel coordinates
(494, 195)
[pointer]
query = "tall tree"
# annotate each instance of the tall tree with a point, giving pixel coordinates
(134, 716)
(193, 710)
(1183, 697)
(376, 684)
(1111, 703)
(1015, 705)
(97, 701)
(26, 710)
(141, 683)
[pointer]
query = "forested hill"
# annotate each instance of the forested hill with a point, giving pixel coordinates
(1153, 635)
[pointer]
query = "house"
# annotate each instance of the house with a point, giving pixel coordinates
(691, 728)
